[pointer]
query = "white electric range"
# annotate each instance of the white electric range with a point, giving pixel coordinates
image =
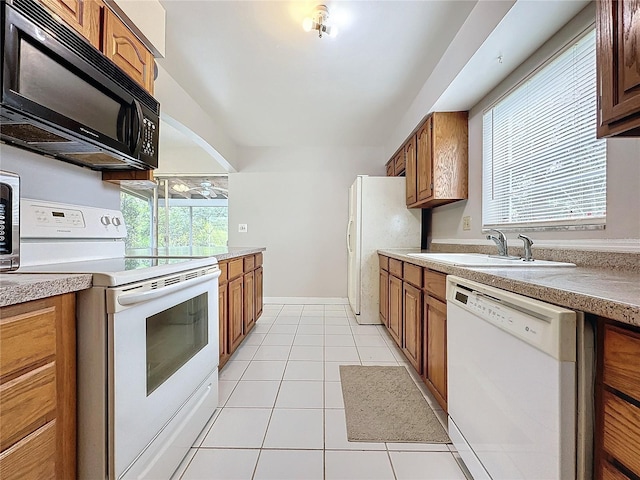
(147, 340)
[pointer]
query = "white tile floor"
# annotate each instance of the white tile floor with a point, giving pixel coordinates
(281, 412)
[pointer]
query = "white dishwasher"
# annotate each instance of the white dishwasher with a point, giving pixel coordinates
(520, 385)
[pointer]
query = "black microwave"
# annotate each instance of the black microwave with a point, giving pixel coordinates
(63, 98)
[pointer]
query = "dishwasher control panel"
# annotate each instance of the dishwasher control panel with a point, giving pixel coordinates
(547, 327)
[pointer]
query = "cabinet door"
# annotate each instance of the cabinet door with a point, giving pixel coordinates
(395, 309)
(399, 163)
(236, 319)
(223, 322)
(126, 51)
(423, 161)
(412, 301)
(436, 326)
(384, 296)
(81, 15)
(249, 302)
(390, 168)
(618, 64)
(410, 170)
(259, 292)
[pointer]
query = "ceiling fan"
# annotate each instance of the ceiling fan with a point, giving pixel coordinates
(205, 189)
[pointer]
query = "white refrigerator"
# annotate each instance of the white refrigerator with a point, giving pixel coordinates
(378, 218)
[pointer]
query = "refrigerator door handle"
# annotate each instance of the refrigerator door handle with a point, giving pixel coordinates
(349, 236)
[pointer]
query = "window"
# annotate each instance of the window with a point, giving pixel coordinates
(542, 163)
(192, 214)
(136, 210)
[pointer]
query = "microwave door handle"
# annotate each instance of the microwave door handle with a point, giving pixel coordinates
(136, 145)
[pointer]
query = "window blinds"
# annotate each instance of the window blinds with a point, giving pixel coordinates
(542, 163)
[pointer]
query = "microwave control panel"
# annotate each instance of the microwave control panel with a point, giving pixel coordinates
(41, 219)
(149, 132)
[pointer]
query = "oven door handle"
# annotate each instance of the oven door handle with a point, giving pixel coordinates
(127, 299)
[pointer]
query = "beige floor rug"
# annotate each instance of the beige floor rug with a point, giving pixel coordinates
(383, 404)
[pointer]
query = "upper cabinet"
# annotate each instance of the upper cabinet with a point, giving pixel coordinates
(104, 30)
(83, 16)
(441, 153)
(618, 67)
(125, 50)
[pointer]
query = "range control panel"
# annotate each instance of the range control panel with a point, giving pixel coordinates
(39, 219)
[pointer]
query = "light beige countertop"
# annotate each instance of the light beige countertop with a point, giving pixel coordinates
(23, 287)
(233, 252)
(611, 293)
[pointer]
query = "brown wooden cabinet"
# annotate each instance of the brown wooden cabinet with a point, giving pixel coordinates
(442, 160)
(101, 27)
(617, 401)
(412, 325)
(395, 309)
(223, 323)
(236, 313)
(82, 15)
(413, 307)
(124, 49)
(240, 301)
(435, 340)
(410, 169)
(38, 389)
(618, 67)
(249, 302)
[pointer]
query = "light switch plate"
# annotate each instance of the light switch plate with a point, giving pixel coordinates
(242, 227)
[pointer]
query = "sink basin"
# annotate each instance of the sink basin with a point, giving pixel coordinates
(480, 260)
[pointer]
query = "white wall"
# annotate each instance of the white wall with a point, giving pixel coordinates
(180, 110)
(186, 161)
(295, 203)
(44, 178)
(623, 169)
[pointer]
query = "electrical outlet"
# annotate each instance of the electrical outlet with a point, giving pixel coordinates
(242, 227)
(466, 223)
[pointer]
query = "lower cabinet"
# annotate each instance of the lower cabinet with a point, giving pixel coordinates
(240, 300)
(249, 302)
(413, 307)
(236, 313)
(412, 344)
(38, 389)
(435, 340)
(617, 436)
(395, 309)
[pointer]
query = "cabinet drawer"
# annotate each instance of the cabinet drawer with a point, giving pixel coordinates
(258, 260)
(224, 275)
(236, 268)
(395, 267)
(621, 435)
(622, 360)
(26, 339)
(435, 284)
(249, 263)
(413, 274)
(26, 403)
(384, 262)
(33, 457)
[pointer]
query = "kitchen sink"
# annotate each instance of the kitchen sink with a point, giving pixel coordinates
(481, 260)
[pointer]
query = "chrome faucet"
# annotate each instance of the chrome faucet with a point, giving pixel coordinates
(501, 242)
(528, 257)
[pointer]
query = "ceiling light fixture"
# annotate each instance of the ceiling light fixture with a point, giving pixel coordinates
(319, 22)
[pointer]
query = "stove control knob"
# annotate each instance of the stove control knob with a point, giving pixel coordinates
(116, 221)
(105, 220)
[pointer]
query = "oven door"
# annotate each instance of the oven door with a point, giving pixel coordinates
(163, 344)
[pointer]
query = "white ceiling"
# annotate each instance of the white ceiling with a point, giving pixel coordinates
(250, 65)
